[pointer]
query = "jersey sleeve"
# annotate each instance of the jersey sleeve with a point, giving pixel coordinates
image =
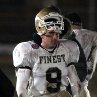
(21, 55)
(74, 81)
(95, 39)
(73, 52)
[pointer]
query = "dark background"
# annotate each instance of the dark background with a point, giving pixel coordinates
(17, 25)
(17, 16)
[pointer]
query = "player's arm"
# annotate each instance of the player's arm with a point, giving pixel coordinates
(72, 74)
(23, 70)
(91, 63)
(22, 82)
(74, 80)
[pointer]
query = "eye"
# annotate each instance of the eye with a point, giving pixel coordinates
(49, 26)
(51, 32)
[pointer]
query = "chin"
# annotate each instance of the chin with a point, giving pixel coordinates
(53, 46)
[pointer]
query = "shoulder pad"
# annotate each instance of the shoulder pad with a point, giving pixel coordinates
(21, 51)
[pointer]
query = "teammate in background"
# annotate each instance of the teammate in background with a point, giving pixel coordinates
(49, 63)
(88, 41)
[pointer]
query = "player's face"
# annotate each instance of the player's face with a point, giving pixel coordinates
(50, 39)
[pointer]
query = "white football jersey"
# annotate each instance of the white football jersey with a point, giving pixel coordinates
(49, 70)
(87, 39)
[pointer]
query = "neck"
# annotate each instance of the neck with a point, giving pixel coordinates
(47, 47)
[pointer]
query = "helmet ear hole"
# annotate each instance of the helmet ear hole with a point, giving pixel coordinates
(40, 30)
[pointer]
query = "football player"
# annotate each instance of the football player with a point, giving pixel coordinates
(88, 41)
(50, 62)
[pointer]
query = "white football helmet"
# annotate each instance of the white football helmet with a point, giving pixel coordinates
(49, 19)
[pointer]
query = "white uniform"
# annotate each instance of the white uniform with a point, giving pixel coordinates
(49, 71)
(88, 41)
